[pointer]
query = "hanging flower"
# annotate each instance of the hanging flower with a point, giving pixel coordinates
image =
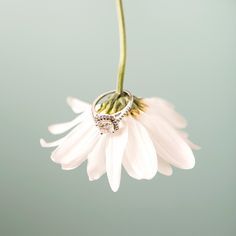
(142, 135)
(149, 140)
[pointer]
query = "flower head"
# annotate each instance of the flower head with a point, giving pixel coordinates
(149, 140)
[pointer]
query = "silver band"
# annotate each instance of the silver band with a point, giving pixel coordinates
(110, 123)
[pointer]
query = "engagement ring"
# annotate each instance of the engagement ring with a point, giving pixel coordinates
(110, 123)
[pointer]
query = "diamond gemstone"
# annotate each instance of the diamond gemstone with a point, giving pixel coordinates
(106, 126)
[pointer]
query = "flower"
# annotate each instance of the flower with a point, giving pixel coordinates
(147, 142)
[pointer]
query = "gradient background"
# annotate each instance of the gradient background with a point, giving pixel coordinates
(184, 51)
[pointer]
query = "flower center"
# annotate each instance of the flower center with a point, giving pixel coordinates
(116, 103)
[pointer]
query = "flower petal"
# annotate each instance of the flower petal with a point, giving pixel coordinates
(78, 143)
(76, 105)
(96, 166)
(132, 172)
(74, 164)
(140, 155)
(59, 141)
(192, 145)
(160, 107)
(79, 151)
(56, 143)
(114, 154)
(164, 168)
(169, 144)
(63, 127)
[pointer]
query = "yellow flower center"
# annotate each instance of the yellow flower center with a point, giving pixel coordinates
(117, 102)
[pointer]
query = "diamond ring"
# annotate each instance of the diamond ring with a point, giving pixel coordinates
(109, 123)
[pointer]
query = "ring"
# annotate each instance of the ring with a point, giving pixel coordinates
(110, 123)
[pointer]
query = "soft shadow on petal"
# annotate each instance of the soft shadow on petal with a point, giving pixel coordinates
(76, 105)
(96, 166)
(140, 156)
(170, 146)
(160, 107)
(63, 127)
(114, 154)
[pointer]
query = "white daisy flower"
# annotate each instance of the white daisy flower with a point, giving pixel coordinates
(142, 135)
(149, 140)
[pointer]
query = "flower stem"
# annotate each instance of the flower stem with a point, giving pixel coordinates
(122, 33)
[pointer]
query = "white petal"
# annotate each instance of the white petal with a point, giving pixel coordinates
(192, 145)
(160, 107)
(76, 105)
(80, 149)
(140, 156)
(169, 144)
(74, 164)
(164, 168)
(96, 166)
(56, 143)
(63, 127)
(78, 143)
(114, 154)
(59, 141)
(130, 170)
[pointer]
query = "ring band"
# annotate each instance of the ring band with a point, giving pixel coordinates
(110, 123)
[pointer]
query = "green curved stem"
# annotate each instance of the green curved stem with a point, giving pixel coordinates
(122, 33)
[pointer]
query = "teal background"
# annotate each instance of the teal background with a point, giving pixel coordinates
(184, 51)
